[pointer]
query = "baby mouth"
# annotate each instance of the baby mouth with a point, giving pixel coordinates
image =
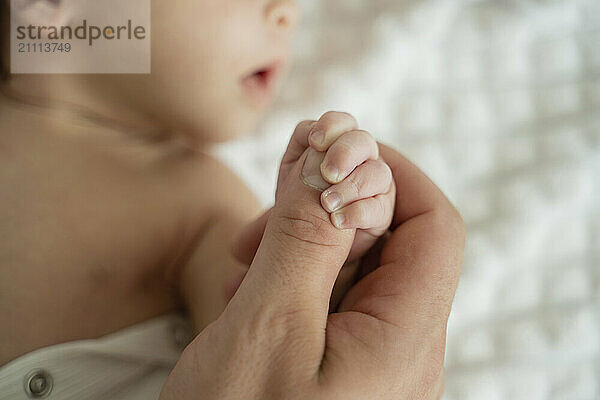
(259, 84)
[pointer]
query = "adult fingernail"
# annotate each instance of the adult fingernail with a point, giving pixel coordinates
(331, 173)
(332, 200)
(338, 220)
(311, 170)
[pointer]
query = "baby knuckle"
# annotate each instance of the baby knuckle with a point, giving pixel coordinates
(343, 150)
(337, 115)
(368, 138)
(304, 124)
(356, 184)
(364, 134)
(334, 118)
(384, 170)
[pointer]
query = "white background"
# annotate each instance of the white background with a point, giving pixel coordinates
(499, 102)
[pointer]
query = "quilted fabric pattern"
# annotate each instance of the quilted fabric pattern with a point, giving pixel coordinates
(499, 102)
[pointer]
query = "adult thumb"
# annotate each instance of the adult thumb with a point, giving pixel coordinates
(300, 254)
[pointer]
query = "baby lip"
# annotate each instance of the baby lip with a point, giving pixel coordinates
(311, 170)
(268, 69)
(260, 84)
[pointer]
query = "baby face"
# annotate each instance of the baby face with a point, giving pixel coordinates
(216, 65)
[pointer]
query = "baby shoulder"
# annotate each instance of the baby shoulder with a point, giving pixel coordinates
(221, 190)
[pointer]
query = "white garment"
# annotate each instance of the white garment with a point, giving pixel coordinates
(131, 364)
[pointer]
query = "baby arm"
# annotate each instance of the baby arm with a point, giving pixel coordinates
(205, 268)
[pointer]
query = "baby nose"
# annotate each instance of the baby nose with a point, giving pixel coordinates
(283, 14)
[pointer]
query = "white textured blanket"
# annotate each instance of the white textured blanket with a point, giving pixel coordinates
(499, 102)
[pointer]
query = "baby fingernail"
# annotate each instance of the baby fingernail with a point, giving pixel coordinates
(317, 137)
(338, 220)
(332, 200)
(311, 171)
(331, 173)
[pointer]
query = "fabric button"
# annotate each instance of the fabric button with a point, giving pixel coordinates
(38, 384)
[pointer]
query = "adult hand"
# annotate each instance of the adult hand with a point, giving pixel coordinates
(276, 340)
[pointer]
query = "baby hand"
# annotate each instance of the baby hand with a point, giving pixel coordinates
(357, 184)
(358, 189)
